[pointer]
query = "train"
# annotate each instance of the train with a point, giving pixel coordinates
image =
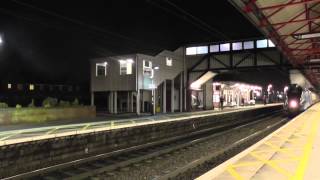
(298, 99)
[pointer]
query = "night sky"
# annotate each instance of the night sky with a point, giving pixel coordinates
(52, 41)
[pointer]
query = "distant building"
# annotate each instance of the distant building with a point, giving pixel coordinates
(138, 82)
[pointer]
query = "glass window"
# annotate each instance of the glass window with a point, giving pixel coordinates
(168, 61)
(9, 86)
(147, 68)
(202, 49)
(225, 47)
(214, 48)
(237, 46)
(248, 45)
(262, 43)
(125, 66)
(270, 43)
(101, 69)
(31, 87)
(191, 51)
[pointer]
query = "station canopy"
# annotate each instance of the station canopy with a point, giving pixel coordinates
(293, 26)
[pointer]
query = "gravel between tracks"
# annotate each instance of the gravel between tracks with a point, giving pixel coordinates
(159, 166)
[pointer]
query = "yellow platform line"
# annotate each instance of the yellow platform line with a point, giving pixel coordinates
(278, 149)
(307, 149)
(272, 164)
(51, 131)
(252, 163)
(234, 173)
(86, 127)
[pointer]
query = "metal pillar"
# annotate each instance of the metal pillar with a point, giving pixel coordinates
(92, 98)
(111, 102)
(164, 96)
(138, 103)
(172, 96)
(115, 98)
(153, 99)
(181, 93)
(128, 101)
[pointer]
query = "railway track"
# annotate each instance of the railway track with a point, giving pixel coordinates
(141, 160)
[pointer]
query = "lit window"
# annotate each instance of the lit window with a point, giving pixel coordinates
(9, 86)
(248, 45)
(262, 43)
(237, 46)
(125, 66)
(168, 61)
(225, 47)
(202, 49)
(31, 87)
(101, 69)
(191, 51)
(214, 48)
(147, 68)
(270, 43)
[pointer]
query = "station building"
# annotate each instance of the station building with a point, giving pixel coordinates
(180, 80)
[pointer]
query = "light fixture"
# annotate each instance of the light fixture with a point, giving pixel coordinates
(306, 35)
(121, 61)
(129, 60)
(314, 60)
(1, 40)
(156, 68)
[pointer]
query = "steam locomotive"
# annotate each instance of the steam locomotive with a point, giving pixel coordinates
(298, 99)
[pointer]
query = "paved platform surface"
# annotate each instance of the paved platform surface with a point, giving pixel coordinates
(24, 133)
(291, 152)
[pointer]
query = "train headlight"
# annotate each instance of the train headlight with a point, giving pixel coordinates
(293, 104)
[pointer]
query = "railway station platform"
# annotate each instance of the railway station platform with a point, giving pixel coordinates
(26, 133)
(291, 152)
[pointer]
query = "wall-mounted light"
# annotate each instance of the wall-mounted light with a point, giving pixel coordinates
(156, 68)
(306, 35)
(314, 60)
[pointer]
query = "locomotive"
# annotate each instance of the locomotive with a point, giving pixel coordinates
(298, 99)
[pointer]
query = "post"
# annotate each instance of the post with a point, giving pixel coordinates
(115, 98)
(92, 98)
(111, 102)
(138, 102)
(164, 96)
(172, 96)
(153, 99)
(181, 93)
(128, 102)
(131, 101)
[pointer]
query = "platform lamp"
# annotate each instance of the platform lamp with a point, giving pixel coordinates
(1, 40)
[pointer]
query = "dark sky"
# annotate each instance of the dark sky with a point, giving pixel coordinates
(53, 40)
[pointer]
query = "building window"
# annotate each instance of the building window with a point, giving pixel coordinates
(225, 47)
(168, 61)
(20, 87)
(9, 86)
(147, 68)
(262, 43)
(125, 66)
(101, 69)
(270, 43)
(191, 51)
(248, 45)
(31, 87)
(237, 46)
(214, 48)
(202, 49)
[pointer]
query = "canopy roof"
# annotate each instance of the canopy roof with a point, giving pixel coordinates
(293, 25)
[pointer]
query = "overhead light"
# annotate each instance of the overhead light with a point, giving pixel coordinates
(1, 41)
(156, 68)
(122, 61)
(314, 60)
(129, 61)
(306, 36)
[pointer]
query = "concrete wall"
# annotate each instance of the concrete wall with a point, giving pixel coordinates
(164, 72)
(113, 81)
(24, 157)
(35, 115)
